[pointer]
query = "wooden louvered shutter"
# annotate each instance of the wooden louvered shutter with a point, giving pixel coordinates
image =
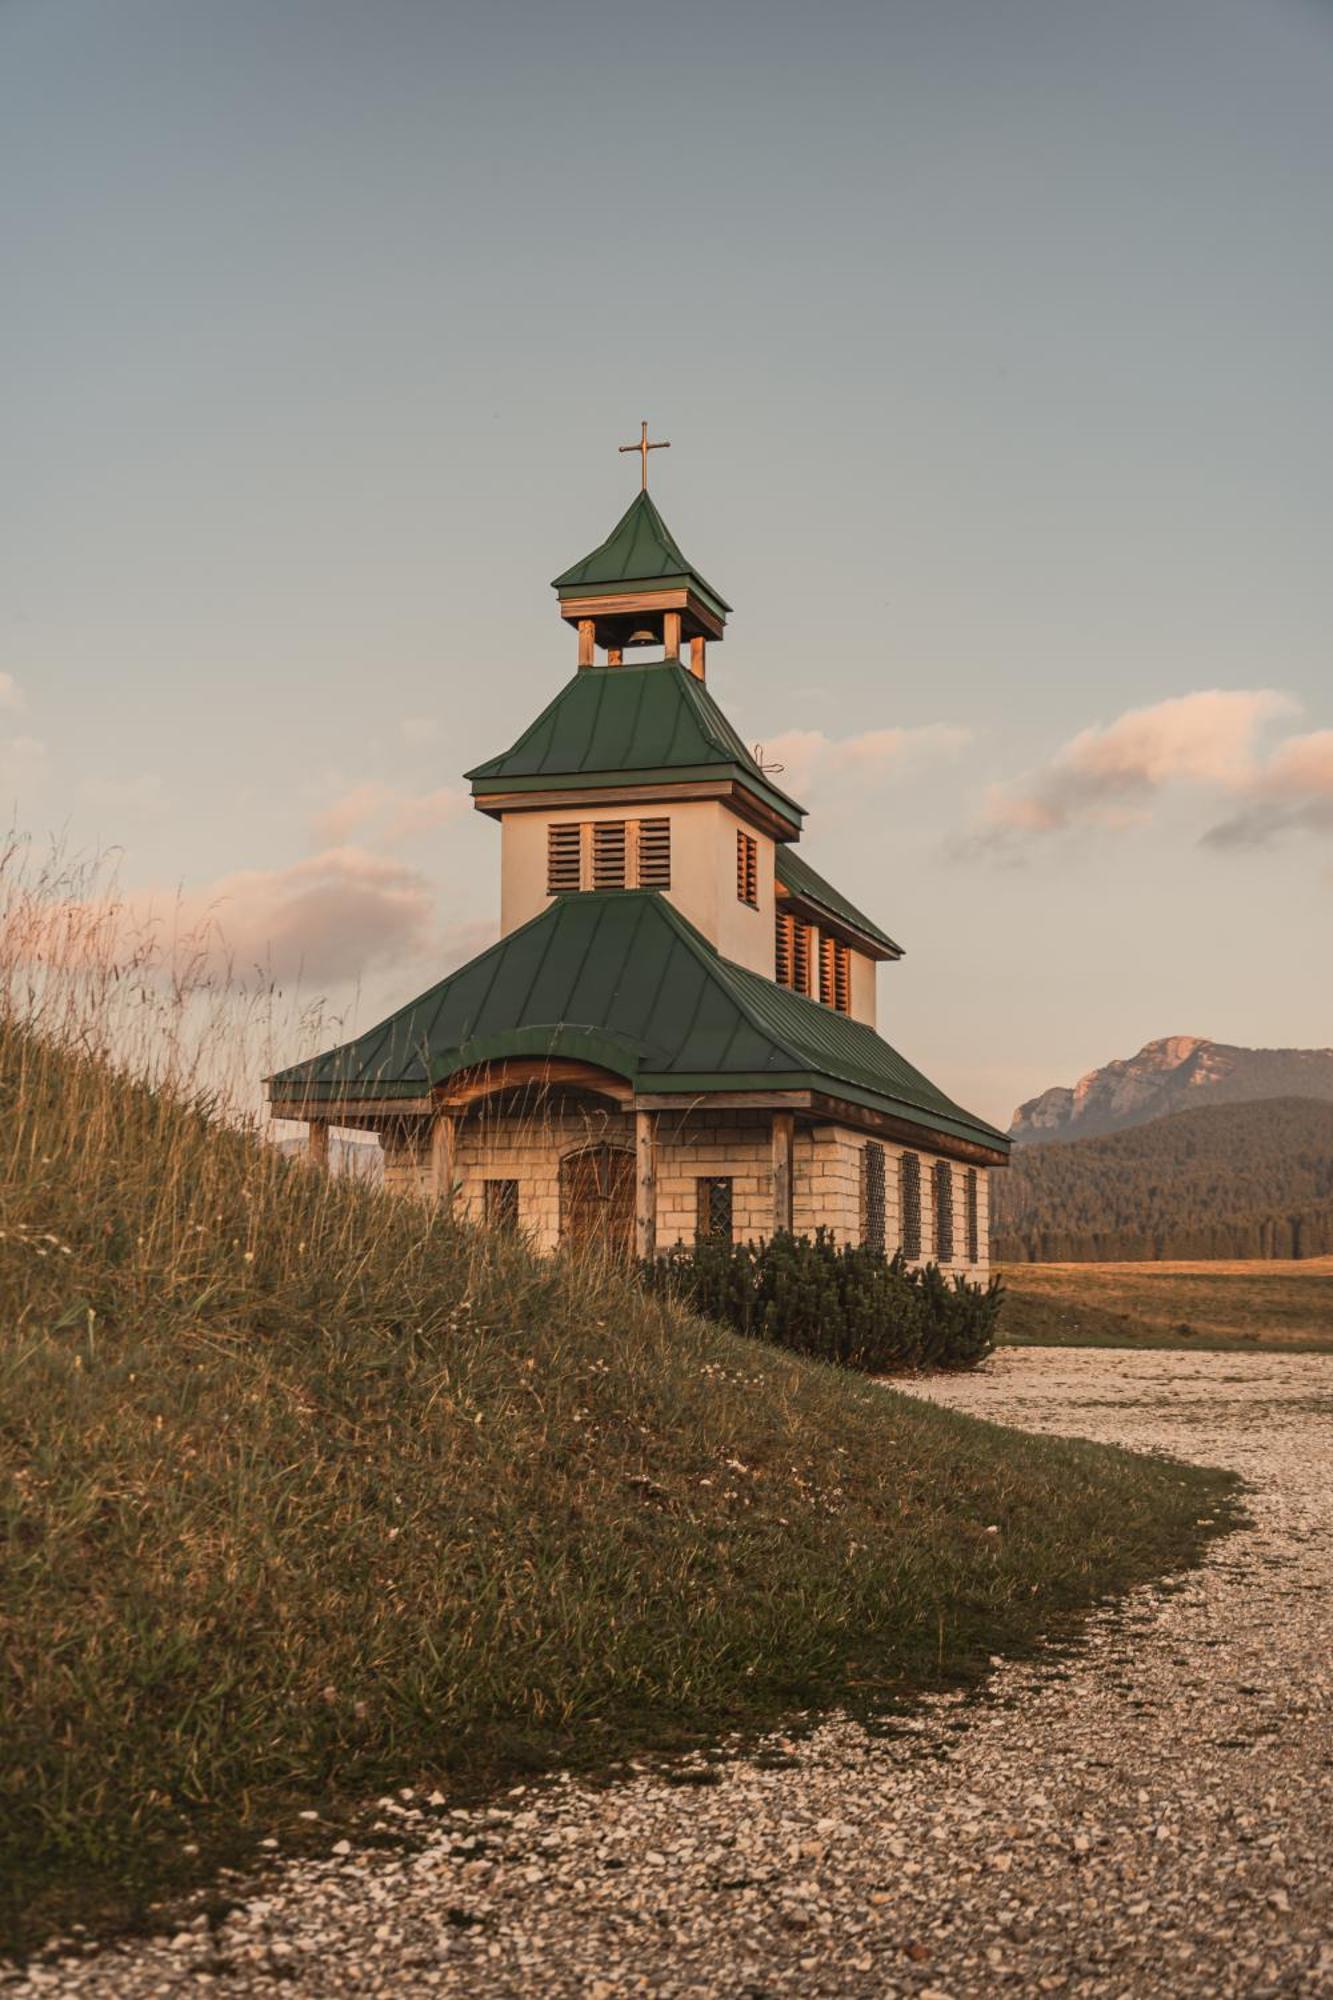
(783, 947)
(608, 854)
(800, 957)
(563, 849)
(654, 854)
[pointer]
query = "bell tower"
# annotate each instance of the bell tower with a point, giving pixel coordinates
(637, 589)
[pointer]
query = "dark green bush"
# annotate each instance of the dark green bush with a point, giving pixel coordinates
(839, 1303)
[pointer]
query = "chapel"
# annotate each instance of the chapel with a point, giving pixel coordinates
(676, 1033)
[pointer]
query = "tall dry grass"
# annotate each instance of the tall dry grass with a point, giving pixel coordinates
(305, 1490)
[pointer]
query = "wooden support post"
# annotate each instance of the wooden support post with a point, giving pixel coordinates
(317, 1143)
(784, 1126)
(698, 645)
(615, 656)
(671, 634)
(587, 642)
(645, 1201)
(442, 1127)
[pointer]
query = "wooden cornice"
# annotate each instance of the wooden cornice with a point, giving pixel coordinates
(657, 791)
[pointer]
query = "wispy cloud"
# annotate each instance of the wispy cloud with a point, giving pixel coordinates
(1110, 776)
(12, 699)
(386, 814)
(1294, 789)
(812, 760)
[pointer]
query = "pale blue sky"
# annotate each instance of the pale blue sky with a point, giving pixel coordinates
(993, 343)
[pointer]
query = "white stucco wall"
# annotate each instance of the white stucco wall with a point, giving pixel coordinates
(703, 871)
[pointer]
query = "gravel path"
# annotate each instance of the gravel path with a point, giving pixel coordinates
(1149, 1817)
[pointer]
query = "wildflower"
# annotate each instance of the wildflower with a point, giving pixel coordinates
(248, 1257)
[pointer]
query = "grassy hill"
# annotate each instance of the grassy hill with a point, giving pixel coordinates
(1226, 1180)
(305, 1491)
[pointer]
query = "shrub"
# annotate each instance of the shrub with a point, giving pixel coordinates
(838, 1303)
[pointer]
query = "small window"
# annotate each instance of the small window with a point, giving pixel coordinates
(872, 1196)
(747, 869)
(973, 1227)
(909, 1204)
(943, 1188)
(714, 1218)
(608, 854)
(563, 847)
(500, 1204)
(654, 854)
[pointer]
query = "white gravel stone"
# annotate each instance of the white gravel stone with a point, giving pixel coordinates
(1145, 1818)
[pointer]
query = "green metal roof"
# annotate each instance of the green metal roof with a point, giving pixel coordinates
(798, 876)
(639, 550)
(608, 723)
(622, 980)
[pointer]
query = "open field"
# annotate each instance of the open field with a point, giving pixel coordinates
(1219, 1305)
(306, 1492)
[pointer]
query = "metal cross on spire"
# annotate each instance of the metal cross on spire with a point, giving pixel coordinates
(643, 448)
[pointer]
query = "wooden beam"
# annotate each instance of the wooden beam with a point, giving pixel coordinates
(467, 1086)
(349, 1110)
(587, 642)
(724, 1100)
(317, 1144)
(671, 634)
(645, 1204)
(442, 1134)
(784, 1126)
(917, 1138)
(698, 655)
(615, 656)
(666, 790)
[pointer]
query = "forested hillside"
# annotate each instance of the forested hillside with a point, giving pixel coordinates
(1226, 1180)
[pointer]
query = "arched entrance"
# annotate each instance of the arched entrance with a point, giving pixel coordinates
(597, 1200)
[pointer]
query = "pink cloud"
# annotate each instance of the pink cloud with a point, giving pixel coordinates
(1109, 776)
(811, 759)
(326, 920)
(386, 814)
(1294, 789)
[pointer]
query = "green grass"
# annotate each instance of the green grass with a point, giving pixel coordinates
(1213, 1307)
(305, 1492)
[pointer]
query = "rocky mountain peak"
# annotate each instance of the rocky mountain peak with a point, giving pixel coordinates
(1169, 1075)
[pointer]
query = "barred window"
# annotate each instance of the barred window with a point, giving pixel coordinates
(973, 1229)
(654, 853)
(500, 1204)
(714, 1217)
(564, 843)
(909, 1204)
(608, 854)
(747, 869)
(872, 1196)
(943, 1186)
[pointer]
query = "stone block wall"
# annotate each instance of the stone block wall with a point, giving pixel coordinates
(528, 1147)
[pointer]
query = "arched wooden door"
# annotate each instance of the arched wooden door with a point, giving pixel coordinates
(597, 1199)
